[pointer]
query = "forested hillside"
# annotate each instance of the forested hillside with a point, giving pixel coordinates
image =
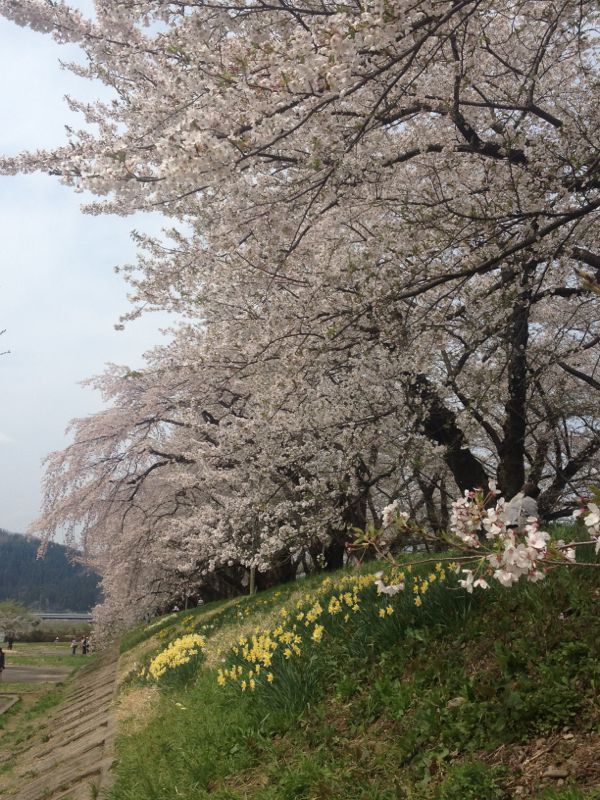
(52, 583)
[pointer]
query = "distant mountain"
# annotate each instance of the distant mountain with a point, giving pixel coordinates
(51, 583)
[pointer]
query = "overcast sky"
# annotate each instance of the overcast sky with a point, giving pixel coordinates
(59, 295)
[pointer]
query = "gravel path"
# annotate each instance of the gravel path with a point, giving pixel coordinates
(71, 751)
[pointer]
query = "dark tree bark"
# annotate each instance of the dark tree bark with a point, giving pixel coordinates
(334, 553)
(354, 515)
(444, 506)
(439, 424)
(548, 499)
(539, 459)
(427, 487)
(283, 572)
(224, 583)
(511, 467)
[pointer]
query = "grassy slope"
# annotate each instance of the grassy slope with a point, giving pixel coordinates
(463, 697)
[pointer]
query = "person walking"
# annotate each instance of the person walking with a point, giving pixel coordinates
(74, 646)
(2, 662)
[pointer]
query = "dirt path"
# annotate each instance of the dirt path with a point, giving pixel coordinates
(26, 674)
(71, 751)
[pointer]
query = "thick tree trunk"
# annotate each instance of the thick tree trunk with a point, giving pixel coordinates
(283, 572)
(444, 506)
(224, 583)
(439, 424)
(511, 467)
(334, 553)
(427, 488)
(354, 515)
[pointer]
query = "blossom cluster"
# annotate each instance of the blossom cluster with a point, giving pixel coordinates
(591, 520)
(499, 549)
(333, 229)
(392, 514)
(511, 552)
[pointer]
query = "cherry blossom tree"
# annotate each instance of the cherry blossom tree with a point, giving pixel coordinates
(380, 214)
(15, 618)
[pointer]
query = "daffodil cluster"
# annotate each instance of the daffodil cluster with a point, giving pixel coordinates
(177, 654)
(301, 625)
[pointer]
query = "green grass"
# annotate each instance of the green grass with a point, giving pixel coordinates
(569, 793)
(43, 654)
(25, 688)
(45, 702)
(212, 616)
(471, 781)
(73, 662)
(21, 722)
(412, 705)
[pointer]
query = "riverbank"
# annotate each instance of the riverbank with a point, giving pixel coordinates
(326, 690)
(56, 744)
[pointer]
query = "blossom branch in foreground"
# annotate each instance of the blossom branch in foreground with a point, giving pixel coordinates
(492, 547)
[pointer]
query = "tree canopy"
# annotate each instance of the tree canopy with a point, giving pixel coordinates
(380, 218)
(15, 618)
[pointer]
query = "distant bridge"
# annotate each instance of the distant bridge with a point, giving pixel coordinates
(67, 616)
